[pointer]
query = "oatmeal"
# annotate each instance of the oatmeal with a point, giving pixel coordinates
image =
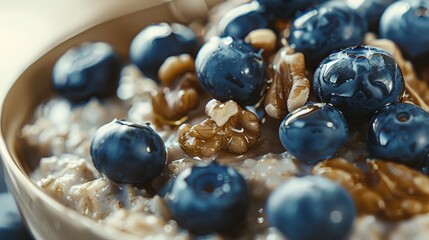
(219, 113)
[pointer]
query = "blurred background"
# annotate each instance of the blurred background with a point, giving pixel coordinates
(29, 27)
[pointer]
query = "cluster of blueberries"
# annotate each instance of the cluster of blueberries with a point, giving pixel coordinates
(354, 84)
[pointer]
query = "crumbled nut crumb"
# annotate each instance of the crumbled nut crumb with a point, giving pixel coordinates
(235, 133)
(389, 190)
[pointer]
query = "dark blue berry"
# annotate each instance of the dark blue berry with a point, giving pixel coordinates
(331, 26)
(208, 198)
(241, 20)
(400, 132)
(230, 69)
(370, 10)
(311, 207)
(314, 132)
(89, 70)
(285, 9)
(407, 23)
(155, 43)
(359, 81)
(128, 152)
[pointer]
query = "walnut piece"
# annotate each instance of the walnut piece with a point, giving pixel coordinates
(175, 66)
(388, 190)
(172, 104)
(265, 39)
(290, 87)
(228, 127)
(180, 91)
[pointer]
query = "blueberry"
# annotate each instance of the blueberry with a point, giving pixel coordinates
(241, 20)
(230, 69)
(311, 207)
(359, 81)
(314, 132)
(285, 9)
(157, 42)
(371, 10)
(128, 152)
(330, 26)
(11, 225)
(208, 198)
(400, 132)
(88, 70)
(407, 23)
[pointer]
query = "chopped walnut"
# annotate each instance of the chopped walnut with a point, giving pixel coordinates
(228, 127)
(180, 92)
(171, 106)
(175, 66)
(290, 87)
(265, 39)
(389, 190)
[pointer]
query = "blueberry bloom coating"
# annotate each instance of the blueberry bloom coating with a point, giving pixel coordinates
(208, 198)
(314, 132)
(330, 26)
(359, 81)
(157, 42)
(370, 10)
(128, 152)
(88, 70)
(407, 23)
(241, 20)
(400, 132)
(230, 69)
(311, 207)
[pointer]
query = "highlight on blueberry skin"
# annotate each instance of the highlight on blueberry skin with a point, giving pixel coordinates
(208, 198)
(89, 70)
(400, 132)
(359, 81)
(128, 152)
(155, 43)
(241, 20)
(328, 27)
(314, 132)
(230, 69)
(407, 23)
(311, 207)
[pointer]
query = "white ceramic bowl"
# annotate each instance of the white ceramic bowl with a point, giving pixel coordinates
(45, 217)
